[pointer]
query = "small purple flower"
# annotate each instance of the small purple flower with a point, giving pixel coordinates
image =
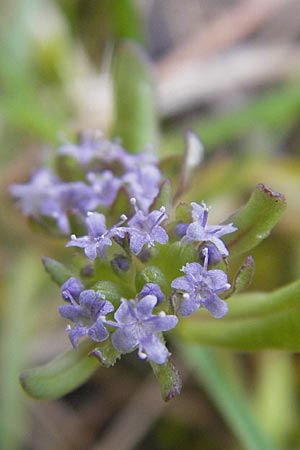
(105, 186)
(138, 327)
(152, 289)
(71, 289)
(200, 287)
(33, 194)
(214, 256)
(143, 185)
(180, 229)
(98, 238)
(199, 231)
(90, 147)
(73, 197)
(88, 315)
(145, 229)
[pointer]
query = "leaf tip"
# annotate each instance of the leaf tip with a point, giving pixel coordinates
(274, 195)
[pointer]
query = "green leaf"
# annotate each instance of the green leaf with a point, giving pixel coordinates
(275, 110)
(229, 400)
(168, 378)
(19, 296)
(106, 354)
(173, 257)
(112, 291)
(255, 321)
(255, 220)
(62, 375)
(244, 275)
(135, 119)
(163, 198)
(150, 274)
(58, 272)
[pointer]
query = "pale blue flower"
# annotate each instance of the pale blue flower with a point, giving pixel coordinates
(89, 316)
(98, 237)
(199, 231)
(140, 328)
(200, 287)
(145, 228)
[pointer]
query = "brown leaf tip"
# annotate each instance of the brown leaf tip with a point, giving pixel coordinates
(276, 196)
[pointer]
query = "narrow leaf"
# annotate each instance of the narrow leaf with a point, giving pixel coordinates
(106, 354)
(163, 198)
(228, 399)
(255, 321)
(255, 220)
(60, 376)
(244, 275)
(135, 109)
(58, 272)
(168, 378)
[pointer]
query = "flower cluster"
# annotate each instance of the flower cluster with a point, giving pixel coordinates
(129, 290)
(104, 169)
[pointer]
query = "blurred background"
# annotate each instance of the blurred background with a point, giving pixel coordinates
(227, 69)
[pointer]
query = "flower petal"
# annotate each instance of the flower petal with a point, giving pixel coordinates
(217, 307)
(154, 348)
(124, 340)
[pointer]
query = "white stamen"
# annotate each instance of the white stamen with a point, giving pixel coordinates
(89, 213)
(205, 251)
(142, 355)
(162, 209)
(162, 314)
(204, 206)
(73, 237)
(227, 286)
(133, 201)
(186, 296)
(123, 217)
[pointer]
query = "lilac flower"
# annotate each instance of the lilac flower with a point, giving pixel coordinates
(71, 289)
(199, 231)
(105, 186)
(73, 197)
(138, 327)
(98, 236)
(145, 229)
(88, 315)
(143, 185)
(90, 147)
(32, 195)
(180, 229)
(200, 287)
(152, 289)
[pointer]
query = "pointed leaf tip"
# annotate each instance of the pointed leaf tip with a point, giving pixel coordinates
(244, 275)
(58, 272)
(168, 378)
(255, 220)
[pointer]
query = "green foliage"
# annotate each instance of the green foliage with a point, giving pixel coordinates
(62, 375)
(255, 220)
(169, 380)
(231, 402)
(256, 321)
(58, 271)
(135, 120)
